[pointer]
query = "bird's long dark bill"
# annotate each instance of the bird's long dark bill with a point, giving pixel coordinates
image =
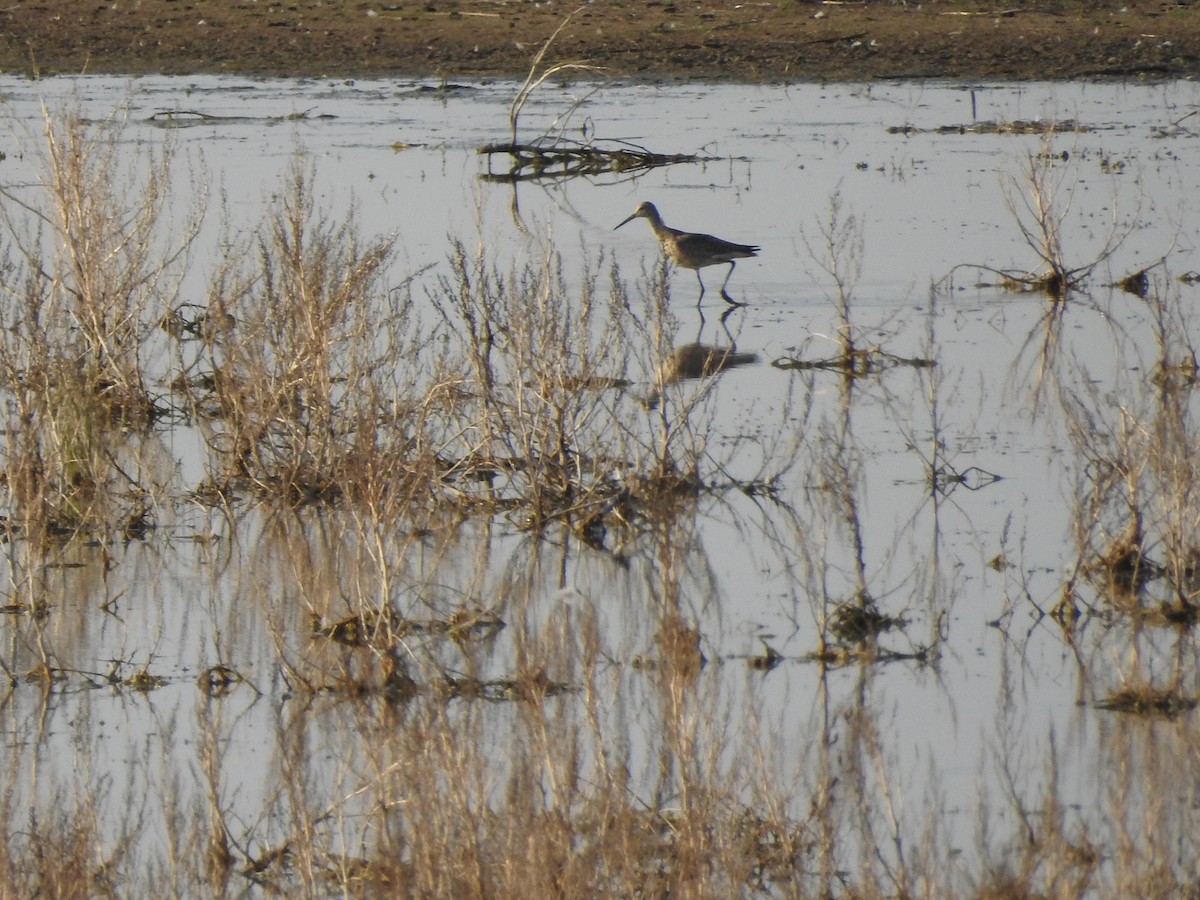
(630, 219)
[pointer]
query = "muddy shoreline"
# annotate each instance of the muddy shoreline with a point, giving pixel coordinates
(777, 41)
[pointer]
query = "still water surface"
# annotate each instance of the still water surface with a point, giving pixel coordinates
(934, 193)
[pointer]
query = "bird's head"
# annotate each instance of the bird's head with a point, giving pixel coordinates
(644, 211)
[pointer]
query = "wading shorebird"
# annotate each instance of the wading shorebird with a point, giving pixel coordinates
(690, 250)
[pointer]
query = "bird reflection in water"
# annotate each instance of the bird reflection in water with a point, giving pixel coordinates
(697, 360)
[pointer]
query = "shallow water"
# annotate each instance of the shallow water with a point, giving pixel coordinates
(968, 570)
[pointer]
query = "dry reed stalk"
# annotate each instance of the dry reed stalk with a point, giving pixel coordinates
(93, 268)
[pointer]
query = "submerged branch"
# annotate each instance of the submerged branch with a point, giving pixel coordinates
(535, 162)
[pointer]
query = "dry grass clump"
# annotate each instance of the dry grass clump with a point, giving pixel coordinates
(542, 421)
(1139, 508)
(1145, 699)
(838, 254)
(88, 270)
(303, 388)
(541, 390)
(1039, 200)
(63, 848)
(55, 860)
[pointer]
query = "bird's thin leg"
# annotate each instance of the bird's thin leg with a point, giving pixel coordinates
(729, 275)
(724, 324)
(701, 297)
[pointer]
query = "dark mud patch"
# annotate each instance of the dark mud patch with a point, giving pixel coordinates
(777, 40)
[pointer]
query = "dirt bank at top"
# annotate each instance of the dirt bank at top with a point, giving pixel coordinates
(775, 40)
